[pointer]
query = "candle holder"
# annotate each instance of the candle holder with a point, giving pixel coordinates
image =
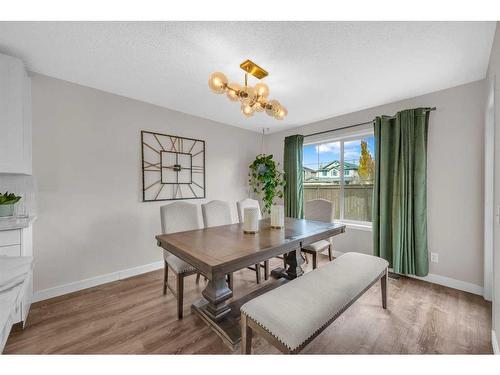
(251, 220)
(277, 216)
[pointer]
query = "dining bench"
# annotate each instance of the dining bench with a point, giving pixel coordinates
(292, 315)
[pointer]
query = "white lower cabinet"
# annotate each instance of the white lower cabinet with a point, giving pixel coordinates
(18, 242)
(10, 238)
(11, 250)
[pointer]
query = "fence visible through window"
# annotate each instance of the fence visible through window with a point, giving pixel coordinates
(342, 172)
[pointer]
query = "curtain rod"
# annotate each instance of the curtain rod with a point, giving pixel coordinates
(353, 126)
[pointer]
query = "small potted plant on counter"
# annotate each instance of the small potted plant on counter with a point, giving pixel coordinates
(7, 202)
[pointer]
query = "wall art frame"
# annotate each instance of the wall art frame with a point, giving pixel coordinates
(173, 167)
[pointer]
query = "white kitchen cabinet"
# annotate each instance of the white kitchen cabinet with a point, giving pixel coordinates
(15, 297)
(15, 116)
(18, 242)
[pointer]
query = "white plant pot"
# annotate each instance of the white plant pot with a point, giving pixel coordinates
(6, 210)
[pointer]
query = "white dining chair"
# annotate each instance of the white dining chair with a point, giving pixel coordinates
(253, 203)
(319, 210)
(216, 213)
(179, 217)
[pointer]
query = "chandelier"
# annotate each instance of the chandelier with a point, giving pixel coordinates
(253, 99)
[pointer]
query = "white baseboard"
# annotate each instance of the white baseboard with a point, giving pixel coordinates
(494, 343)
(94, 281)
(451, 283)
(442, 280)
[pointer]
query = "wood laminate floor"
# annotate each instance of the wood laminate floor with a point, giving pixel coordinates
(132, 316)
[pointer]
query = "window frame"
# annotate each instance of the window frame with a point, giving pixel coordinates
(347, 137)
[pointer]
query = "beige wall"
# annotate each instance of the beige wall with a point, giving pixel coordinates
(86, 158)
(455, 178)
(493, 77)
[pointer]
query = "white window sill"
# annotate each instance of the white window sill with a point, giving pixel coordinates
(357, 226)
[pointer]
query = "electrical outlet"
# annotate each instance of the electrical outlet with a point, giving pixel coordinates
(434, 257)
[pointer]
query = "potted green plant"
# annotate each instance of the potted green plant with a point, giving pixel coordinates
(7, 202)
(266, 180)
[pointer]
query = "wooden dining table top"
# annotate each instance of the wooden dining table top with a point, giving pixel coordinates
(228, 248)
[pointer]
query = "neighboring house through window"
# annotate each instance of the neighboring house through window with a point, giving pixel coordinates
(342, 171)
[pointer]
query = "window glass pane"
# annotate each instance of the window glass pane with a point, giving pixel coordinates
(321, 173)
(359, 169)
(310, 162)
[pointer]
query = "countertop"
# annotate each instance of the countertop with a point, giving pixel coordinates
(16, 222)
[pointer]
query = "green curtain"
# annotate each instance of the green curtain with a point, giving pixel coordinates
(294, 191)
(399, 221)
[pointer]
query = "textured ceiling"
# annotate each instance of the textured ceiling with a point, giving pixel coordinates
(317, 69)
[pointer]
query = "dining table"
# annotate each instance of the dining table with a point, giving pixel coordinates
(221, 250)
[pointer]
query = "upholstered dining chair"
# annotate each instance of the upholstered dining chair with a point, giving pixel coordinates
(252, 203)
(216, 213)
(319, 210)
(179, 217)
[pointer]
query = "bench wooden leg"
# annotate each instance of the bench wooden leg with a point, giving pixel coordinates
(315, 260)
(165, 278)
(197, 278)
(246, 336)
(330, 252)
(180, 295)
(383, 286)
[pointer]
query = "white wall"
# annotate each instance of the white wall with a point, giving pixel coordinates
(493, 78)
(455, 178)
(87, 159)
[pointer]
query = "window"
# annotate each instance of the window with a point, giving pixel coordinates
(342, 171)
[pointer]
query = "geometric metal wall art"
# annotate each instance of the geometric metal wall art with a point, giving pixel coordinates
(172, 167)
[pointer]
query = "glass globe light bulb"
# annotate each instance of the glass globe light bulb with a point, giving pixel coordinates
(247, 110)
(281, 114)
(273, 107)
(233, 91)
(217, 82)
(262, 90)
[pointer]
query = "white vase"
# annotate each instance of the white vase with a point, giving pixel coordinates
(251, 220)
(277, 216)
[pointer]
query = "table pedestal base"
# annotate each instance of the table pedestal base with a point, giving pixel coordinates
(228, 328)
(278, 273)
